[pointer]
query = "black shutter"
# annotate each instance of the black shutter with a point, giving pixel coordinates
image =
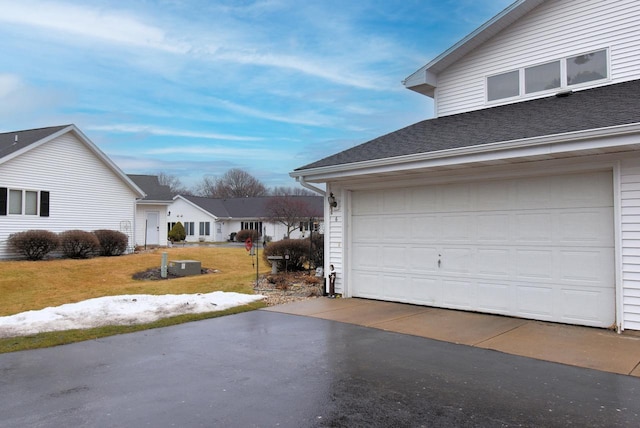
(44, 204)
(3, 201)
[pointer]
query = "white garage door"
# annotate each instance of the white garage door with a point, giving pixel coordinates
(539, 248)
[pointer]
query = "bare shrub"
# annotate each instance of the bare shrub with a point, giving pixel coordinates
(112, 242)
(247, 233)
(34, 244)
(79, 244)
(296, 249)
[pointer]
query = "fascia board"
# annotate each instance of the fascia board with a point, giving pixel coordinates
(536, 146)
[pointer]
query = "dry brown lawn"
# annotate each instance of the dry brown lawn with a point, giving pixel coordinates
(28, 285)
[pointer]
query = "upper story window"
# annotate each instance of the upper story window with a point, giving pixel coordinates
(558, 74)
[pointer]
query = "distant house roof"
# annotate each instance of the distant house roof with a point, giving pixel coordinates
(597, 108)
(152, 187)
(255, 207)
(15, 143)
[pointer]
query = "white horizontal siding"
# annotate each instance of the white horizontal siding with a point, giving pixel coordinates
(84, 193)
(554, 30)
(334, 237)
(630, 234)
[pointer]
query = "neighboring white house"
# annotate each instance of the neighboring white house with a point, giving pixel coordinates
(56, 179)
(151, 212)
(522, 197)
(214, 220)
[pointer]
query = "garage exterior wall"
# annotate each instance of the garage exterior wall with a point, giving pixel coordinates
(630, 242)
(626, 182)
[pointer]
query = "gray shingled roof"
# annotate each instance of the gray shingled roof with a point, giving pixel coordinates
(601, 107)
(249, 207)
(152, 187)
(9, 145)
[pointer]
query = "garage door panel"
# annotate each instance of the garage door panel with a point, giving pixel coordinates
(456, 227)
(394, 287)
(456, 260)
(395, 229)
(458, 294)
(422, 259)
(492, 227)
(493, 195)
(522, 247)
(367, 257)
(494, 297)
(367, 229)
(586, 307)
(534, 264)
(455, 197)
(494, 261)
(535, 300)
(394, 201)
(368, 284)
(534, 228)
(364, 202)
(422, 228)
(588, 226)
(424, 199)
(394, 258)
(424, 290)
(589, 267)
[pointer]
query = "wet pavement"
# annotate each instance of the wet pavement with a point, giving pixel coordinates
(268, 369)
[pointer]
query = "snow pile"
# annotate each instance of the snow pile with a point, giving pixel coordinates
(119, 310)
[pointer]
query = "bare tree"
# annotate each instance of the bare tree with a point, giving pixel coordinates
(173, 182)
(235, 183)
(293, 191)
(206, 187)
(288, 210)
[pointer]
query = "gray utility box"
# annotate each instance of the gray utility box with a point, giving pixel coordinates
(184, 267)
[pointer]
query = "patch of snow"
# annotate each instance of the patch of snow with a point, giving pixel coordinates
(119, 310)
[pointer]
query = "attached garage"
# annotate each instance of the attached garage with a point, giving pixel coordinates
(533, 247)
(492, 211)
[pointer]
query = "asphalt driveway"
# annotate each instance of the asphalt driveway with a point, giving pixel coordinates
(267, 369)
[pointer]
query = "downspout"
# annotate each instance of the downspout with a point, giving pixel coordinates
(300, 179)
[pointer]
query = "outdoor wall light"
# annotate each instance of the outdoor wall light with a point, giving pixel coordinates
(169, 213)
(332, 200)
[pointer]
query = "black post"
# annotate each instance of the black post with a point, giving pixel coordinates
(310, 242)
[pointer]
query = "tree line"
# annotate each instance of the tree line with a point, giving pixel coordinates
(235, 183)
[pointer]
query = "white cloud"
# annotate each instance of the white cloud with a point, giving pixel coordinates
(110, 26)
(154, 130)
(9, 83)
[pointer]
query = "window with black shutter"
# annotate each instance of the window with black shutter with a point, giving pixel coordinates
(3, 201)
(44, 204)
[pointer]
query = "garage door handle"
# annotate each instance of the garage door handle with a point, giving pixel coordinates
(439, 261)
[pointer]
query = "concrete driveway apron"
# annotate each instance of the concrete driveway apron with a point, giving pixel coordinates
(266, 369)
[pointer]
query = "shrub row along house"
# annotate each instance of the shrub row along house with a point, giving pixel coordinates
(56, 179)
(522, 196)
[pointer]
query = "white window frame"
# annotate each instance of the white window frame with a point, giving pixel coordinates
(563, 78)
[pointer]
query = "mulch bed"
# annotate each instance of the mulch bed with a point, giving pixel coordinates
(284, 287)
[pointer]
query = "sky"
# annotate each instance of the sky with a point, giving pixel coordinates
(119, 310)
(193, 88)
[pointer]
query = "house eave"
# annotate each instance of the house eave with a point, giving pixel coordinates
(609, 139)
(424, 79)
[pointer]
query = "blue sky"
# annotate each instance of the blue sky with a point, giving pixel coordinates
(193, 88)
